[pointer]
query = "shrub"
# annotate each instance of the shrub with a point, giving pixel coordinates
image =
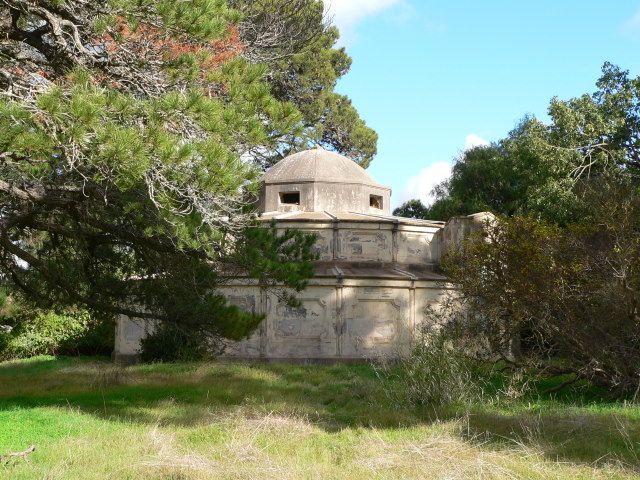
(559, 299)
(42, 335)
(96, 338)
(171, 342)
(38, 332)
(435, 374)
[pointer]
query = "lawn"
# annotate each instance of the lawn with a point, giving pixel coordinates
(91, 420)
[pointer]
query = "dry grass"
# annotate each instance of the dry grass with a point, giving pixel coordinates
(92, 421)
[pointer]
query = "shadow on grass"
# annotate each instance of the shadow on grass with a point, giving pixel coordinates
(580, 423)
(575, 436)
(190, 394)
(331, 397)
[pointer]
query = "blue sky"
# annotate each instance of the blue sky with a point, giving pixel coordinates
(432, 77)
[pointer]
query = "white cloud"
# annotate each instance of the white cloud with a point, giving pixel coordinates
(420, 185)
(472, 140)
(632, 26)
(345, 14)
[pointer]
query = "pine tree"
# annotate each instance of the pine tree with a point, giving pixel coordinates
(298, 48)
(128, 139)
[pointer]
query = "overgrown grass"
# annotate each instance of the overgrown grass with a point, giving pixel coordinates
(92, 420)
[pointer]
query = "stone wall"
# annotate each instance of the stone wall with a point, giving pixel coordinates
(384, 242)
(355, 319)
(374, 282)
(350, 320)
(459, 228)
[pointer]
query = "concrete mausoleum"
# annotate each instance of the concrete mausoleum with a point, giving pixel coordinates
(375, 278)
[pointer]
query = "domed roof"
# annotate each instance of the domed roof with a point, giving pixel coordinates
(318, 165)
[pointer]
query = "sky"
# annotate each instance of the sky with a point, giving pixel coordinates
(435, 77)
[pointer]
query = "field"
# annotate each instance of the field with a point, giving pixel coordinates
(91, 420)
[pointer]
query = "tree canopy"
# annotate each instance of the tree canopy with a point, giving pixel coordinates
(132, 135)
(303, 68)
(553, 285)
(563, 299)
(540, 169)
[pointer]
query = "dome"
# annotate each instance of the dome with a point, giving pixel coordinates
(318, 165)
(321, 181)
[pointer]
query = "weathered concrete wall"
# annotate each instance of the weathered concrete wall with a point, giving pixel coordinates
(304, 332)
(365, 319)
(345, 316)
(372, 242)
(364, 244)
(320, 196)
(270, 197)
(378, 321)
(415, 246)
(129, 333)
(357, 319)
(459, 228)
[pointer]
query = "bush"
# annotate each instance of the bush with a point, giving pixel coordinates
(171, 343)
(4, 298)
(435, 375)
(558, 299)
(38, 332)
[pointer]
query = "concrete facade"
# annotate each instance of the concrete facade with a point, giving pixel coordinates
(375, 277)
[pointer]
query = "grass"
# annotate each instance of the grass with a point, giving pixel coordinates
(92, 420)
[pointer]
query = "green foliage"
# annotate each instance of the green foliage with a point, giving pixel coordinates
(411, 209)
(129, 169)
(173, 343)
(554, 284)
(265, 249)
(342, 129)
(558, 298)
(37, 332)
(307, 78)
(43, 335)
(556, 280)
(203, 19)
(539, 169)
(435, 375)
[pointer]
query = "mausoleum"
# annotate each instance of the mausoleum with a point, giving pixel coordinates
(375, 278)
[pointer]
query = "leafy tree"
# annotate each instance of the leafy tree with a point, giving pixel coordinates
(569, 296)
(127, 133)
(539, 169)
(411, 209)
(559, 271)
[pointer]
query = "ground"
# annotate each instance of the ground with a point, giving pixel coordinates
(89, 419)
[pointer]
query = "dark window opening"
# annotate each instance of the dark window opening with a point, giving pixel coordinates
(290, 198)
(375, 201)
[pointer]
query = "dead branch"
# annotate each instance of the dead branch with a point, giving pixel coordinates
(14, 456)
(560, 386)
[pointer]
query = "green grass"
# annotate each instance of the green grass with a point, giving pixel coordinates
(92, 420)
